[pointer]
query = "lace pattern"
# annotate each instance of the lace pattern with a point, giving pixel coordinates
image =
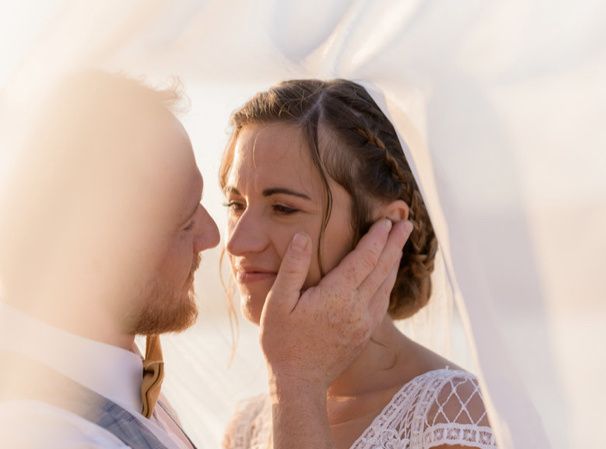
(438, 407)
(250, 427)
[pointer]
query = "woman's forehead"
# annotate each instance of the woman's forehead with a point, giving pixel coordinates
(275, 152)
(277, 155)
(275, 140)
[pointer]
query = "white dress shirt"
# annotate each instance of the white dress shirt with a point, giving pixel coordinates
(108, 370)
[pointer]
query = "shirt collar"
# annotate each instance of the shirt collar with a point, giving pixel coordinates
(108, 370)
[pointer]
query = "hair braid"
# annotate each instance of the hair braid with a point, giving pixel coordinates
(414, 279)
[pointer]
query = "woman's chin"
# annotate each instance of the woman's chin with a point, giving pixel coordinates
(252, 307)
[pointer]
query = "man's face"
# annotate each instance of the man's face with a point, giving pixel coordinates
(166, 302)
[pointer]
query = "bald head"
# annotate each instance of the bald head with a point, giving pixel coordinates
(100, 187)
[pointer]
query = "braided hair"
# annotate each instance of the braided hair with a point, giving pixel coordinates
(352, 142)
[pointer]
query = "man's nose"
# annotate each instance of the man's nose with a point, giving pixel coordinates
(208, 233)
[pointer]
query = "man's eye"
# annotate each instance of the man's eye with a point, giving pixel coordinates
(284, 210)
(234, 206)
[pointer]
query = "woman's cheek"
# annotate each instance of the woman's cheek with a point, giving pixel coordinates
(282, 237)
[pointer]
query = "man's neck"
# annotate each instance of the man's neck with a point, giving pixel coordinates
(88, 322)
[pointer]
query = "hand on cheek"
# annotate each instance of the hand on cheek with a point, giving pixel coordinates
(310, 338)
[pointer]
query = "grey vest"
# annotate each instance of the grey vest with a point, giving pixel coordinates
(47, 385)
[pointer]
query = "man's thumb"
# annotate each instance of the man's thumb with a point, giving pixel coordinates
(293, 271)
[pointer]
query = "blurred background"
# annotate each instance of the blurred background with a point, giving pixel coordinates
(501, 105)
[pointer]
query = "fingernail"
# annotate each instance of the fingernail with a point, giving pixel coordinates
(387, 224)
(299, 242)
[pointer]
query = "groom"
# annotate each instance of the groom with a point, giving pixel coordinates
(101, 236)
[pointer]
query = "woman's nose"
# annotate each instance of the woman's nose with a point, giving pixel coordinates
(208, 233)
(245, 236)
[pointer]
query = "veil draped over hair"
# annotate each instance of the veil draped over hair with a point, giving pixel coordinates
(499, 108)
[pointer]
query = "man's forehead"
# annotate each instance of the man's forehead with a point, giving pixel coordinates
(198, 183)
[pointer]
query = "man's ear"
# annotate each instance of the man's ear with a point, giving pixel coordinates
(395, 211)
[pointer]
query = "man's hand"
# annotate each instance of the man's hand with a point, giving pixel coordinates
(311, 338)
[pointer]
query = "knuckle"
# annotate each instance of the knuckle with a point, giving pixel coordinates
(361, 333)
(339, 293)
(348, 278)
(368, 259)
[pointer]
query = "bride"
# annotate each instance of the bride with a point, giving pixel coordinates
(320, 157)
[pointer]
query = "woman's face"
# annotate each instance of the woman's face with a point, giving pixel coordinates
(273, 191)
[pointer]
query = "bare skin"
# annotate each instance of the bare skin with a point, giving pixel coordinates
(299, 385)
(318, 397)
(335, 358)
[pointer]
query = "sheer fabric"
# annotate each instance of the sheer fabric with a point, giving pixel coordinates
(501, 107)
(436, 408)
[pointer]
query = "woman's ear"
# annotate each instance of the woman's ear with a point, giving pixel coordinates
(395, 211)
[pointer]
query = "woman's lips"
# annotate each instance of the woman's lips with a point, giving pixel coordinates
(247, 277)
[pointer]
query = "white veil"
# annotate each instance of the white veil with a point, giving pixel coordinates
(499, 106)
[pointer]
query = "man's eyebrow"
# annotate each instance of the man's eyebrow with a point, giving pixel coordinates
(229, 189)
(283, 190)
(191, 214)
(194, 208)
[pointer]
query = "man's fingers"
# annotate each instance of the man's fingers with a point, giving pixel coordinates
(388, 260)
(293, 271)
(359, 263)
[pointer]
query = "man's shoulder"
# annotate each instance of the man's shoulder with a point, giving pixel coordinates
(32, 424)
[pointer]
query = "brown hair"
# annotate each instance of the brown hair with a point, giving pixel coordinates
(351, 141)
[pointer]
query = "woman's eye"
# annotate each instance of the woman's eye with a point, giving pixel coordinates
(284, 210)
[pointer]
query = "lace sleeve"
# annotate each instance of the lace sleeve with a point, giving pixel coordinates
(248, 425)
(457, 416)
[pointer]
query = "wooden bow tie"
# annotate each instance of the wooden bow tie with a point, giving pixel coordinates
(153, 374)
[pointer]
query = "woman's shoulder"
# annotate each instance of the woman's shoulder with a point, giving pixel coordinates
(449, 395)
(250, 424)
(429, 383)
(442, 377)
(438, 407)
(456, 413)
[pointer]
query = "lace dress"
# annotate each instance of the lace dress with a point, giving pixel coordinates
(438, 407)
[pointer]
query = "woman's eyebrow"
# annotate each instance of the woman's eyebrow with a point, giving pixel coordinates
(269, 192)
(282, 190)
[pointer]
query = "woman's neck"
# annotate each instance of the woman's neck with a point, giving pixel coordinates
(388, 361)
